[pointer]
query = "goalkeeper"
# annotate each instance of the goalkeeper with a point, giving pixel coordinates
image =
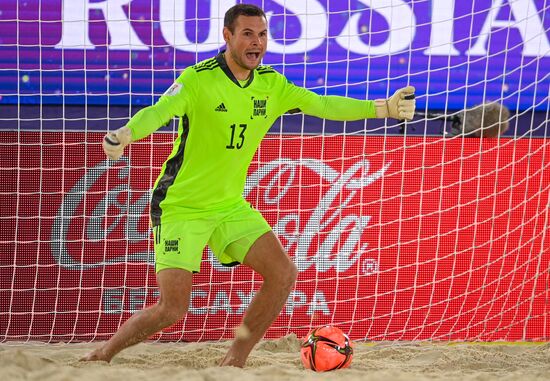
(226, 105)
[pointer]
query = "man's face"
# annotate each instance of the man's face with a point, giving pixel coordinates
(248, 43)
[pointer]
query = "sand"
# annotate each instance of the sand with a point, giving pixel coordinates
(279, 360)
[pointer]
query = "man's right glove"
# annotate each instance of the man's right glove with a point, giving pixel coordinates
(115, 142)
(400, 105)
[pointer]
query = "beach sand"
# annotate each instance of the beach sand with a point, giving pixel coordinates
(278, 360)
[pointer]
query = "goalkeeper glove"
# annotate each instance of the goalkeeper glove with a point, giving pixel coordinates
(115, 142)
(400, 105)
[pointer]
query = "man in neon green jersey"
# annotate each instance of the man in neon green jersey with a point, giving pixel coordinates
(226, 105)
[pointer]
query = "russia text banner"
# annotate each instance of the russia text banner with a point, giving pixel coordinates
(116, 52)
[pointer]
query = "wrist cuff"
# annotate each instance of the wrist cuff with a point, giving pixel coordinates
(124, 135)
(382, 108)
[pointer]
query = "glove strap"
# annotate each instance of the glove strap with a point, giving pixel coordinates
(382, 108)
(110, 141)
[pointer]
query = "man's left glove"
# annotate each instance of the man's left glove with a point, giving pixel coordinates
(115, 142)
(400, 105)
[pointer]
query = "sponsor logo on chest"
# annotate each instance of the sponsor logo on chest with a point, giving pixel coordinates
(259, 107)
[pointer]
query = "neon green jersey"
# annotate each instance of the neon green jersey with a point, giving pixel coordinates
(222, 123)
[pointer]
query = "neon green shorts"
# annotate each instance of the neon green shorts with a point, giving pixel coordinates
(229, 234)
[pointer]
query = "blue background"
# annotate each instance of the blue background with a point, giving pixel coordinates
(33, 71)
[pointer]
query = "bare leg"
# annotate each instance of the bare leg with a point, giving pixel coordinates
(268, 258)
(175, 293)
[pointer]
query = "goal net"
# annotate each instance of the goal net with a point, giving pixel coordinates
(408, 231)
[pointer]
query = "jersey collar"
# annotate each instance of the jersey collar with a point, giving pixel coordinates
(223, 65)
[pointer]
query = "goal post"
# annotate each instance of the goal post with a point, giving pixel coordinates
(399, 231)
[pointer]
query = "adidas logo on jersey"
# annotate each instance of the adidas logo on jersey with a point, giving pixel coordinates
(221, 108)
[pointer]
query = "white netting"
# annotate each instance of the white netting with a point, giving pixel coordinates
(400, 232)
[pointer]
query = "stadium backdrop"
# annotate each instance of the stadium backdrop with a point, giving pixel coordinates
(381, 253)
(478, 52)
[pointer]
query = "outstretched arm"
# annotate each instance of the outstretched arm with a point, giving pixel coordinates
(334, 107)
(400, 105)
(176, 101)
(145, 122)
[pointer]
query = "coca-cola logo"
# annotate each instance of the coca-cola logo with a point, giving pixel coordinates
(272, 181)
(95, 228)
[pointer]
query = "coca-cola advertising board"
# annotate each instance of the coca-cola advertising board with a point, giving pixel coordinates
(395, 238)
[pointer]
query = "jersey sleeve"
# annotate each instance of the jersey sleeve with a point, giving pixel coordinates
(332, 107)
(176, 101)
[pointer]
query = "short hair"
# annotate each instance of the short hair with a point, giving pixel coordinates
(241, 10)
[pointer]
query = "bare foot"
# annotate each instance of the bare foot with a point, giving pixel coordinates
(230, 360)
(96, 355)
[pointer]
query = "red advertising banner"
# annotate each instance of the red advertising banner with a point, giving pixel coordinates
(395, 238)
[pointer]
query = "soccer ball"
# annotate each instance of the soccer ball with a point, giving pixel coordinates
(326, 348)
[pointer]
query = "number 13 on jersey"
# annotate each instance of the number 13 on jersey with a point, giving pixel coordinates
(239, 140)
